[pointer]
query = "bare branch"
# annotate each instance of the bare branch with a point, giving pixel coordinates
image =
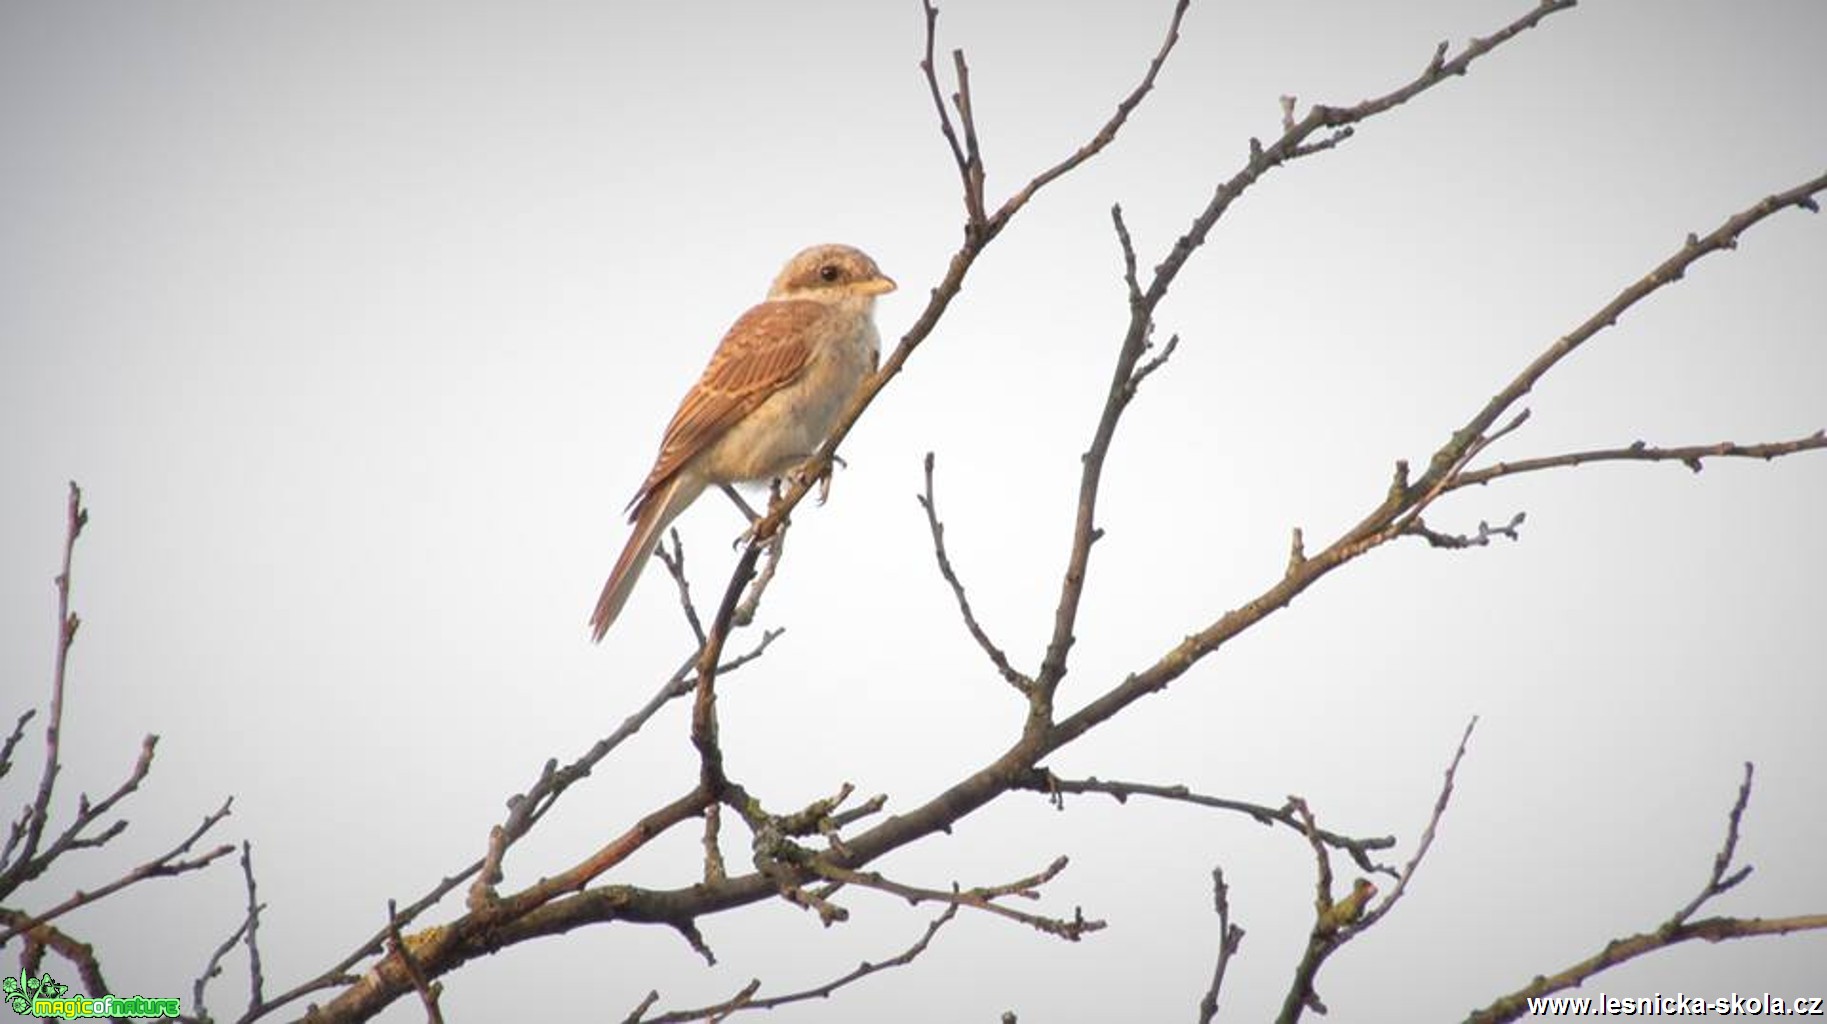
(6, 753)
(1679, 928)
(524, 811)
(981, 897)
(745, 999)
(973, 209)
(1105, 135)
(22, 847)
(674, 561)
(163, 866)
(1691, 456)
(1127, 245)
(1674, 268)
(997, 658)
(213, 967)
(1405, 501)
(1230, 939)
(1041, 780)
(1160, 359)
(437, 950)
(1293, 144)
(1723, 878)
(256, 978)
(973, 153)
(246, 931)
(639, 1013)
(1427, 835)
(1338, 922)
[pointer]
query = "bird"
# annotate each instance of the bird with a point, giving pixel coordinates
(771, 394)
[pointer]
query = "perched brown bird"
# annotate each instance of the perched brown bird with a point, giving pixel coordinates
(768, 399)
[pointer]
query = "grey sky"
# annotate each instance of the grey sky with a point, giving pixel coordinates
(359, 324)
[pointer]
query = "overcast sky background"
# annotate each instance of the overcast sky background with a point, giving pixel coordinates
(360, 323)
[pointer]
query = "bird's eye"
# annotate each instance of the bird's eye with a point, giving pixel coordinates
(829, 273)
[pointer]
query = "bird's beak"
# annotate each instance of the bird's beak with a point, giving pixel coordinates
(881, 284)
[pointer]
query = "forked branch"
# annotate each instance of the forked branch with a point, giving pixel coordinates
(1680, 927)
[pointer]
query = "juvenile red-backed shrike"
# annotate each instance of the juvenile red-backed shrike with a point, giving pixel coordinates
(768, 399)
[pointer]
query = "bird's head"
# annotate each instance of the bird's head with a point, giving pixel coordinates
(831, 273)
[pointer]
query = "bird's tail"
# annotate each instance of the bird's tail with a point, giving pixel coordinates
(656, 512)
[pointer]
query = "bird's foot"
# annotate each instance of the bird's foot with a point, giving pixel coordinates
(748, 534)
(823, 477)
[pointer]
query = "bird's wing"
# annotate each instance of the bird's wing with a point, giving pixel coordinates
(765, 350)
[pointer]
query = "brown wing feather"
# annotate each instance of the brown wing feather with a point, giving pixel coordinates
(764, 351)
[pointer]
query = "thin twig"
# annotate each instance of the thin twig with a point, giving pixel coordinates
(245, 931)
(981, 897)
(1106, 134)
(6, 754)
(1692, 456)
(1427, 834)
(674, 561)
(1230, 939)
(1418, 528)
(1041, 780)
(1127, 246)
(163, 866)
(746, 1000)
(973, 153)
(24, 866)
(1009, 673)
(931, 73)
(256, 977)
(1723, 878)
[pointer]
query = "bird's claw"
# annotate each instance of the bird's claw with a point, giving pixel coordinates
(823, 478)
(747, 536)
